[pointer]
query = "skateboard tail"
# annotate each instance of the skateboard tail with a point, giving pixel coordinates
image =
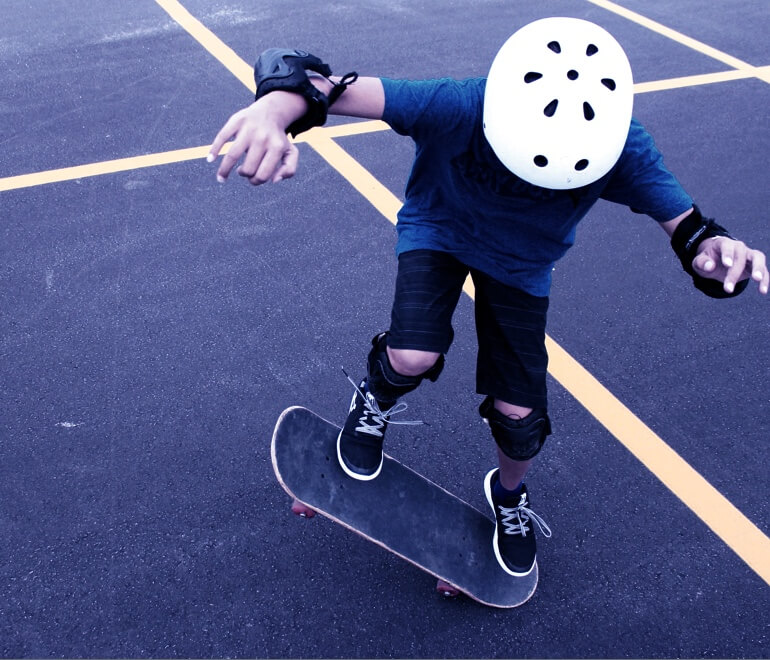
(274, 457)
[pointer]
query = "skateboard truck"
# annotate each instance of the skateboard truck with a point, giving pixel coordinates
(301, 509)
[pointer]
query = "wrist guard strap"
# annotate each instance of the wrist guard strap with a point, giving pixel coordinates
(687, 237)
(285, 69)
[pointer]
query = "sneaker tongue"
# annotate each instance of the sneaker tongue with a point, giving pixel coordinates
(382, 405)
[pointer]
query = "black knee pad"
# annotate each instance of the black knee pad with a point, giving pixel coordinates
(519, 439)
(385, 384)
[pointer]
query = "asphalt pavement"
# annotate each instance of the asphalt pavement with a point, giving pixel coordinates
(154, 324)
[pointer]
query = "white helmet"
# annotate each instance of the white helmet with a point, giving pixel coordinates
(557, 106)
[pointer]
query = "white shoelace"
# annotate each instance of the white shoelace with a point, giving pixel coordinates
(515, 520)
(379, 417)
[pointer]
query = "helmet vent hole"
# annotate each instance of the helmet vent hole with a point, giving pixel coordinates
(591, 50)
(555, 46)
(572, 74)
(550, 109)
(541, 161)
(588, 111)
(532, 76)
(609, 83)
(581, 164)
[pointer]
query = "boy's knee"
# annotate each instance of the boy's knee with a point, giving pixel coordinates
(408, 362)
(389, 381)
(519, 439)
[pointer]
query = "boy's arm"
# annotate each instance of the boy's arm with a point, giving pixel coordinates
(720, 258)
(259, 130)
(719, 265)
(364, 98)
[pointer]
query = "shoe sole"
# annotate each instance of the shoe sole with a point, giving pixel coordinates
(356, 475)
(503, 565)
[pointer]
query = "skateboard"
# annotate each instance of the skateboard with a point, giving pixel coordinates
(400, 511)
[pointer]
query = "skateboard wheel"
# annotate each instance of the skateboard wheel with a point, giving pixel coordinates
(447, 590)
(301, 510)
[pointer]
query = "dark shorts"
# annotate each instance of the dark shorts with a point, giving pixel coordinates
(510, 324)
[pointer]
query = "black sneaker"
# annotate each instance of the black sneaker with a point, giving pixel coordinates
(514, 540)
(359, 444)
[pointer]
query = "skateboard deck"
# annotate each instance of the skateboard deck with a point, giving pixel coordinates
(400, 510)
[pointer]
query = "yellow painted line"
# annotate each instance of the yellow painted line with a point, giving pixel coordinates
(354, 128)
(763, 72)
(211, 42)
(724, 519)
(694, 81)
(683, 39)
(103, 167)
(715, 510)
(357, 175)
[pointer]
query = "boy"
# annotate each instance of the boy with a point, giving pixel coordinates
(504, 170)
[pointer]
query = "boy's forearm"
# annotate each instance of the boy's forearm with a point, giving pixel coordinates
(670, 226)
(365, 98)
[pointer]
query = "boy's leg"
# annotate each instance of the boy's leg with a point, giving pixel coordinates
(428, 287)
(512, 472)
(518, 442)
(511, 371)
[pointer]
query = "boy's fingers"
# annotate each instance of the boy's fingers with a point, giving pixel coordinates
(704, 263)
(214, 149)
(735, 271)
(266, 168)
(288, 166)
(757, 264)
(271, 164)
(731, 261)
(727, 252)
(264, 158)
(229, 160)
(251, 162)
(225, 133)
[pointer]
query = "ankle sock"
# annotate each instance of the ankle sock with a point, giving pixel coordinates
(502, 493)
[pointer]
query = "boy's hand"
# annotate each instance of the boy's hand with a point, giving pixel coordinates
(259, 132)
(731, 261)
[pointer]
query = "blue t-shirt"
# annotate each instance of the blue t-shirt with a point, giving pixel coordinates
(462, 200)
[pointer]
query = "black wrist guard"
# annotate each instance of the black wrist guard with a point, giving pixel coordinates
(285, 69)
(687, 237)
